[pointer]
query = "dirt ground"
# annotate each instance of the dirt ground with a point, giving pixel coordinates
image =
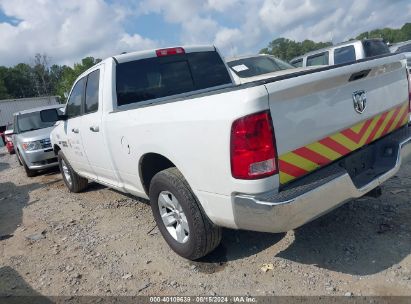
(102, 242)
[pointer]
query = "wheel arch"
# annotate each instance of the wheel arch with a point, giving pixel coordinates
(150, 164)
(56, 149)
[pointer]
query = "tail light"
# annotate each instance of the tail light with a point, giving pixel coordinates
(253, 153)
(170, 51)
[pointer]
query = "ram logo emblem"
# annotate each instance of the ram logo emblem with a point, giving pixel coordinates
(360, 101)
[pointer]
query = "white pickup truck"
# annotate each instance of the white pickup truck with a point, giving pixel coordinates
(268, 155)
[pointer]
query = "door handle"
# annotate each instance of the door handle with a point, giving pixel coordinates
(75, 130)
(94, 128)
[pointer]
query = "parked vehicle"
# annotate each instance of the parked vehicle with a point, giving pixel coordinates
(401, 47)
(270, 155)
(8, 137)
(9, 126)
(342, 53)
(247, 69)
(32, 140)
(10, 106)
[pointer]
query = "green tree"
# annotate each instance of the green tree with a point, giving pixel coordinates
(388, 34)
(4, 94)
(68, 75)
(19, 81)
(287, 49)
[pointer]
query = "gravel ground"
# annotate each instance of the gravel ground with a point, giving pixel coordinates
(102, 242)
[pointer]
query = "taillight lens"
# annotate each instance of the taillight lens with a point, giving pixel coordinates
(253, 153)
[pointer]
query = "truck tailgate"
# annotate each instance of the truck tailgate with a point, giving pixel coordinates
(320, 117)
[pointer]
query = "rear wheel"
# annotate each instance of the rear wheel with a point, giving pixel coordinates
(179, 217)
(74, 182)
(29, 172)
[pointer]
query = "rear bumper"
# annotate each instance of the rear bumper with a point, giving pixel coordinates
(323, 190)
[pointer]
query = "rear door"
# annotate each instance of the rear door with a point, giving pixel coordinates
(321, 117)
(91, 130)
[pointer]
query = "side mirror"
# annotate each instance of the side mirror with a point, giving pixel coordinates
(51, 115)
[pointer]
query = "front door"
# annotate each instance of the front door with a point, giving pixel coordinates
(72, 144)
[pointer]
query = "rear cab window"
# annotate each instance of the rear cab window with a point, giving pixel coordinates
(374, 48)
(157, 77)
(318, 59)
(344, 54)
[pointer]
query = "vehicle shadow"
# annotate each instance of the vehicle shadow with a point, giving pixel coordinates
(12, 201)
(363, 237)
(238, 244)
(4, 166)
(14, 289)
(93, 186)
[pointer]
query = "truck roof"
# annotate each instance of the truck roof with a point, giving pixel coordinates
(125, 57)
(350, 42)
(152, 53)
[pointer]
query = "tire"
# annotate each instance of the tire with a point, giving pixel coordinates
(18, 157)
(29, 172)
(74, 182)
(203, 236)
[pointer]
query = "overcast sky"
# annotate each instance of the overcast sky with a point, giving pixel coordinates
(68, 30)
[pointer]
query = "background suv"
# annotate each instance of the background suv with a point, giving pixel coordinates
(32, 140)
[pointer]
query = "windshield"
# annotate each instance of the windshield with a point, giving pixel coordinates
(254, 66)
(31, 121)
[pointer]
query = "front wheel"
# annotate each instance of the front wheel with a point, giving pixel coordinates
(179, 217)
(19, 158)
(74, 182)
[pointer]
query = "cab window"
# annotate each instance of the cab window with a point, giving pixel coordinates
(91, 103)
(297, 63)
(344, 54)
(318, 59)
(73, 107)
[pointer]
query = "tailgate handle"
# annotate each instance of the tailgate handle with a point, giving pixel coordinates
(359, 75)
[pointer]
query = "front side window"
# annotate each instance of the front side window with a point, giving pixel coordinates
(92, 91)
(344, 54)
(159, 77)
(73, 107)
(319, 59)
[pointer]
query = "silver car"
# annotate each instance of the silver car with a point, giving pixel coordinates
(32, 140)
